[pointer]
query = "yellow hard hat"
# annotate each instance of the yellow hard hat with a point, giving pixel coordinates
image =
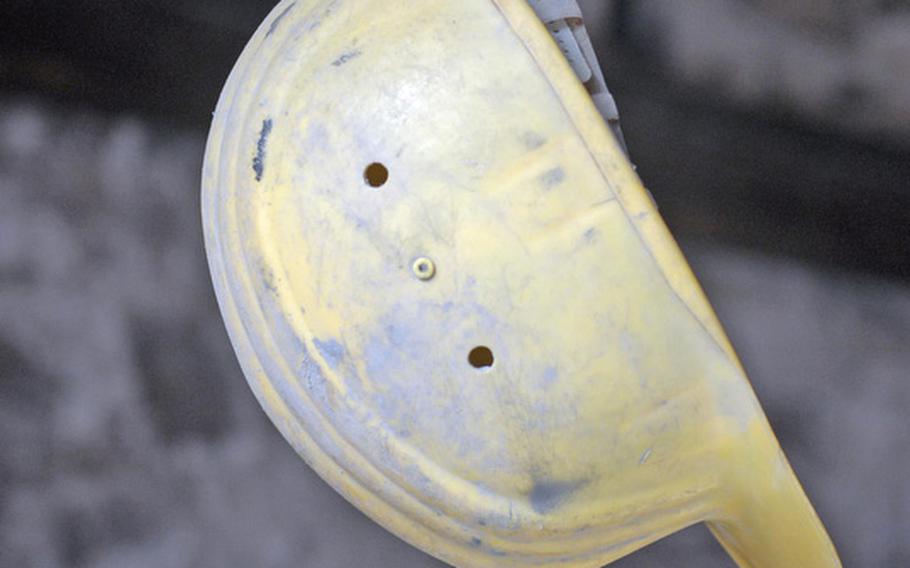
(453, 296)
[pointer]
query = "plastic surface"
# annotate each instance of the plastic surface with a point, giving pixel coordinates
(453, 296)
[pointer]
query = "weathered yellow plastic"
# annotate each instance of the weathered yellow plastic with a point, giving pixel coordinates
(616, 411)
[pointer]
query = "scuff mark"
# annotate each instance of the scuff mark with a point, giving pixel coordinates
(318, 136)
(332, 351)
(645, 457)
(280, 17)
(590, 235)
(533, 140)
(549, 495)
(259, 159)
(550, 375)
(553, 178)
(268, 279)
(325, 14)
(314, 380)
(347, 57)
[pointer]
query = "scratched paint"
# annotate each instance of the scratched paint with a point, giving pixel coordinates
(345, 57)
(277, 21)
(261, 144)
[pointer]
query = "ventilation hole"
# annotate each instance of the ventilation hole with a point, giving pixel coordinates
(376, 175)
(481, 358)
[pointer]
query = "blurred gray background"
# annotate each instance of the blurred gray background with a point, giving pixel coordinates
(774, 134)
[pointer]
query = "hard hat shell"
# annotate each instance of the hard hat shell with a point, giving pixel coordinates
(452, 295)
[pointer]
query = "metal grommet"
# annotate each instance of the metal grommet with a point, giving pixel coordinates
(424, 268)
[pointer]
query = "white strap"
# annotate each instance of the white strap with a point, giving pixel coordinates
(554, 10)
(564, 20)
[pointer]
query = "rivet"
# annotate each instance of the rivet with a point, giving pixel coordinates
(424, 268)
